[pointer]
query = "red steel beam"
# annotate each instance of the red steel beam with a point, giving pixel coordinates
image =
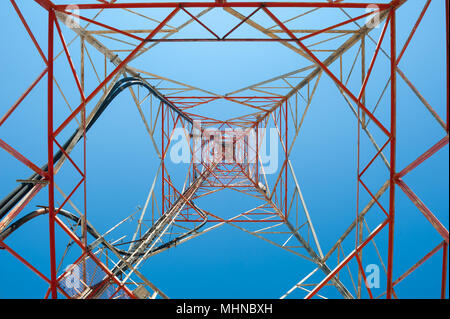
(240, 23)
(418, 264)
(46, 4)
(22, 158)
(374, 58)
(104, 26)
(20, 206)
(326, 70)
(346, 260)
(24, 95)
(395, 178)
(22, 260)
(30, 33)
(382, 6)
(69, 59)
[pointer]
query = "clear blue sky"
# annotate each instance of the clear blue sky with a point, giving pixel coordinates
(228, 263)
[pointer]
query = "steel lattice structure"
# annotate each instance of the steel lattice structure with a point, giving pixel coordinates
(282, 217)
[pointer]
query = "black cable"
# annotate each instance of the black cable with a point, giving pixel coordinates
(24, 188)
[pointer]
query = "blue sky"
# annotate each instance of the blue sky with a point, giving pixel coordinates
(228, 263)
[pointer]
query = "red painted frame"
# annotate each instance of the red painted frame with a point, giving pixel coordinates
(395, 177)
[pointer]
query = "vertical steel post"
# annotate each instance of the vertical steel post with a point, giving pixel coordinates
(444, 269)
(393, 155)
(51, 183)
